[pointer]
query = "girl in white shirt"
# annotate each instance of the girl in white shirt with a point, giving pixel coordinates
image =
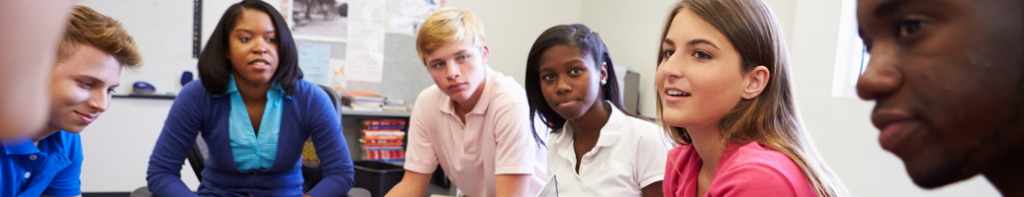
(596, 148)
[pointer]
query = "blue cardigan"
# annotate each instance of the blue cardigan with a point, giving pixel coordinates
(307, 113)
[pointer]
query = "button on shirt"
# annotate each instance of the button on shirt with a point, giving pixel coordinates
(629, 155)
(496, 138)
(53, 168)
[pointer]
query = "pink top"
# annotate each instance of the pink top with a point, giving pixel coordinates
(749, 169)
(496, 138)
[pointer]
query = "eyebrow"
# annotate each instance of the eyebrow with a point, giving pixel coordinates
(566, 64)
(250, 31)
(701, 41)
(890, 6)
(91, 78)
(432, 61)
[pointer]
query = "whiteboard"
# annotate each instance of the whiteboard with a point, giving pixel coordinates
(163, 32)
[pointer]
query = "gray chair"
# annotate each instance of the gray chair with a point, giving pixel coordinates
(311, 174)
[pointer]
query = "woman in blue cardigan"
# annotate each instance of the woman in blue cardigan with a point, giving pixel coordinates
(255, 113)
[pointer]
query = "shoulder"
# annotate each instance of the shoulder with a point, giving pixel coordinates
(429, 98)
(644, 130)
(305, 88)
(681, 152)
(506, 90)
(72, 143)
(194, 89)
(430, 94)
(755, 154)
(760, 169)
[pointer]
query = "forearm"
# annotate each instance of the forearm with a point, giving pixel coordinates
(412, 185)
(512, 185)
(653, 190)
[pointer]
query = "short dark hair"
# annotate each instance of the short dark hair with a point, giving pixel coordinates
(576, 36)
(214, 66)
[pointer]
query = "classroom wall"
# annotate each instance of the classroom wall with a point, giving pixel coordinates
(510, 27)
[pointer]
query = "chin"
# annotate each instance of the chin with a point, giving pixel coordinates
(936, 173)
(459, 98)
(73, 129)
(675, 118)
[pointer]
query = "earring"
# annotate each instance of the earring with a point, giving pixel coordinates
(604, 81)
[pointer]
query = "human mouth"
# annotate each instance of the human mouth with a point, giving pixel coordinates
(673, 95)
(568, 103)
(259, 64)
(897, 129)
(87, 118)
(458, 86)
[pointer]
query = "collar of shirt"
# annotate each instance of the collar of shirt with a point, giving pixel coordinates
(21, 146)
(233, 87)
(251, 151)
(481, 104)
(609, 133)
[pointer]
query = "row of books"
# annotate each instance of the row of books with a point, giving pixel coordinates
(368, 101)
(383, 139)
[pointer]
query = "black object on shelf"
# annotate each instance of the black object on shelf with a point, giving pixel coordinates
(376, 176)
(146, 96)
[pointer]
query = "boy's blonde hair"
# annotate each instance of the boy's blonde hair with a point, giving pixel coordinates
(86, 26)
(445, 26)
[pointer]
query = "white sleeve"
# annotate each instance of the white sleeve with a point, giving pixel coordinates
(650, 158)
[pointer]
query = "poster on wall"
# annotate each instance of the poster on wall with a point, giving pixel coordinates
(406, 16)
(365, 53)
(320, 20)
(314, 61)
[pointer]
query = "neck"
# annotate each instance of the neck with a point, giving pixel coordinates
(590, 124)
(1007, 176)
(252, 91)
(707, 141)
(45, 132)
(467, 106)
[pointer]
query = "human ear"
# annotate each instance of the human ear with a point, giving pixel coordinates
(756, 80)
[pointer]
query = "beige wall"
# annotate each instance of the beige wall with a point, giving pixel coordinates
(510, 27)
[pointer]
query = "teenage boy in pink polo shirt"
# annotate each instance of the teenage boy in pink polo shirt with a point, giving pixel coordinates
(474, 122)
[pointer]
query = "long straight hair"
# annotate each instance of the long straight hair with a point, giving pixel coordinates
(214, 66)
(771, 118)
(575, 36)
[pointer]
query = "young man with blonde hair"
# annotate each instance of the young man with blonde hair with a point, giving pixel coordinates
(89, 59)
(474, 122)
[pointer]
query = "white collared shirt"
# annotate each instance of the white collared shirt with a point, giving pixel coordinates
(496, 138)
(629, 155)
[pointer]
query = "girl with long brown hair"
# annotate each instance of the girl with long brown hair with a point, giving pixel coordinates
(725, 95)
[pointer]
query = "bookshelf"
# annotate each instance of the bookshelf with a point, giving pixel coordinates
(346, 111)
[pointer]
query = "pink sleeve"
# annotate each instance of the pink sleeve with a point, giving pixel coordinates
(419, 154)
(752, 180)
(515, 150)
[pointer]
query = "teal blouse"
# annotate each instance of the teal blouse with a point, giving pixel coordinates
(251, 151)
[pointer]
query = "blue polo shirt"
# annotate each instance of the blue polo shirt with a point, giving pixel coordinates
(52, 169)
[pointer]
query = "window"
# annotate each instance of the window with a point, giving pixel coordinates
(851, 56)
